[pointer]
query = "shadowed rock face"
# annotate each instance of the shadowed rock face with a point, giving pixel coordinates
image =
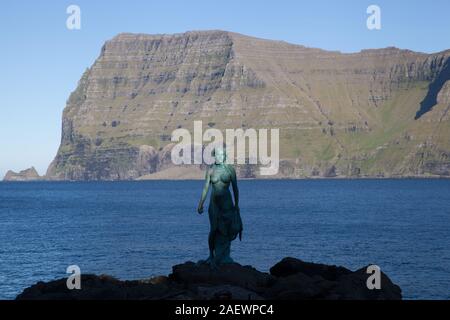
(377, 113)
(437, 91)
(289, 279)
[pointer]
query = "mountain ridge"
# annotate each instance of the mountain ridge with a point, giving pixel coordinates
(339, 114)
(159, 35)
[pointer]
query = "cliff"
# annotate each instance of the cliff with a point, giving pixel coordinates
(24, 175)
(289, 279)
(376, 113)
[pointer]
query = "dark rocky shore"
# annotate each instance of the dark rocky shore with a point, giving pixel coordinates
(288, 279)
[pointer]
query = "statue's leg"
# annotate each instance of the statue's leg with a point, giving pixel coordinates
(210, 259)
(222, 249)
(212, 214)
(211, 245)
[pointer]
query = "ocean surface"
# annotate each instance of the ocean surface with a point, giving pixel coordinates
(135, 230)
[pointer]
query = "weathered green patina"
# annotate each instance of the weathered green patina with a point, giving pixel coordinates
(224, 215)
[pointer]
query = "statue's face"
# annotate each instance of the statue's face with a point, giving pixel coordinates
(219, 154)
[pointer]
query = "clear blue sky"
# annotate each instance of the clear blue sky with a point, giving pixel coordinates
(41, 60)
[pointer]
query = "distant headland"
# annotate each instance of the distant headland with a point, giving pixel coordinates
(380, 113)
(29, 174)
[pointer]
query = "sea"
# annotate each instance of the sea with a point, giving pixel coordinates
(136, 230)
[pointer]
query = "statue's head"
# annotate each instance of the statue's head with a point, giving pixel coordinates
(220, 155)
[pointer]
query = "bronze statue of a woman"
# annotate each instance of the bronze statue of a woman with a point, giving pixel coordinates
(224, 216)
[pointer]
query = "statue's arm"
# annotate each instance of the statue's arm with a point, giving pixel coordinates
(235, 186)
(204, 192)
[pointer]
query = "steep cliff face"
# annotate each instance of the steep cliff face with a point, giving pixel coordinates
(374, 113)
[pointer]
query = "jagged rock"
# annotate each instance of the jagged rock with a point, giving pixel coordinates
(299, 287)
(289, 279)
(95, 287)
(233, 274)
(443, 96)
(330, 172)
(290, 266)
(226, 292)
(305, 280)
(24, 175)
(349, 287)
(147, 160)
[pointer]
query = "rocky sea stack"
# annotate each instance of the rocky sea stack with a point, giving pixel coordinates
(24, 175)
(289, 279)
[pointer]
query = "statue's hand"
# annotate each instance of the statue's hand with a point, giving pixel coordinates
(200, 209)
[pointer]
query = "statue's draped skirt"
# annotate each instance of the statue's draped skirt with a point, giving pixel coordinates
(225, 223)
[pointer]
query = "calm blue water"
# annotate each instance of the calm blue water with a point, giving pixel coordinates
(139, 229)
